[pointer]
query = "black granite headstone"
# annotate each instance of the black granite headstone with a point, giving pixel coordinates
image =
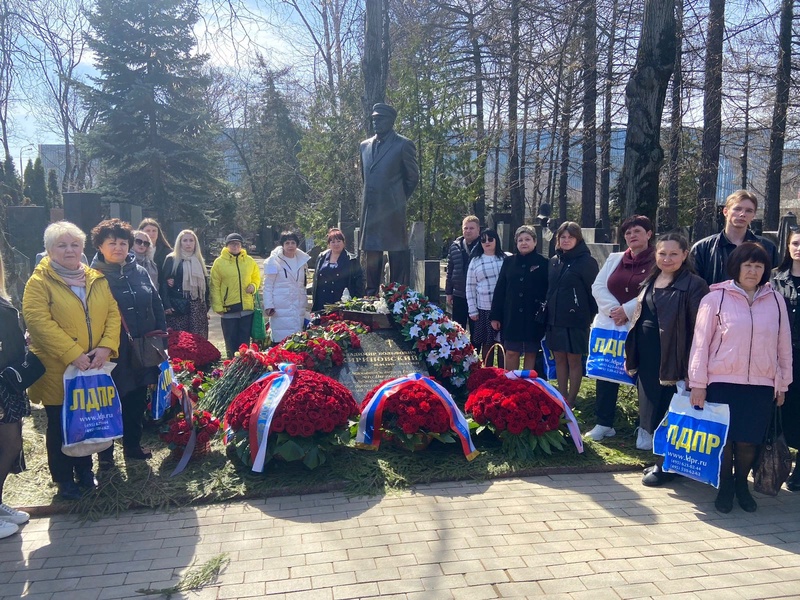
(84, 210)
(26, 225)
(383, 355)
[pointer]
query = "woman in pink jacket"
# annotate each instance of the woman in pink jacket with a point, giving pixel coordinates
(742, 356)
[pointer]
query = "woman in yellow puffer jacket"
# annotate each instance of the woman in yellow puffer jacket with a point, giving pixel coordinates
(72, 318)
(235, 279)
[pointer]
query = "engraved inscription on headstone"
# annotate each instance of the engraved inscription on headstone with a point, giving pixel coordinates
(383, 355)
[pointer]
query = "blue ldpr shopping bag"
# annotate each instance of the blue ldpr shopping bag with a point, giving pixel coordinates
(91, 417)
(161, 399)
(607, 351)
(549, 361)
(691, 440)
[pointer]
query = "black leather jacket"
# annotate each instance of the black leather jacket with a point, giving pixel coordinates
(12, 341)
(677, 312)
(783, 283)
(710, 255)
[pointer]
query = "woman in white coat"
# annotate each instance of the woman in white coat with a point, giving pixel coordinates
(285, 299)
(615, 290)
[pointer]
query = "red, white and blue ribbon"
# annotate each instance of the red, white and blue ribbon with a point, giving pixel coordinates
(369, 425)
(264, 410)
(188, 414)
(554, 395)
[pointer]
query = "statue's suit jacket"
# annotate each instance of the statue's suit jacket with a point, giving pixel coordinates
(390, 176)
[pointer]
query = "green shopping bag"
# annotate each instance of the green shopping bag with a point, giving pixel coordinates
(258, 330)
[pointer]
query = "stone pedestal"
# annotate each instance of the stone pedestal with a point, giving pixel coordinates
(83, 209)
(26, 225)
(132, 213)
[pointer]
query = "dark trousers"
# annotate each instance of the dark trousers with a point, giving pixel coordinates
(236, 332)
(461, 312)
(133, 405)
(63, 468)
(606, 402)
(398, 268)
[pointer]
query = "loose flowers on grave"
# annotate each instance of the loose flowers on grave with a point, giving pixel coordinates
(312, 417)
(187, 346)
(525, 417)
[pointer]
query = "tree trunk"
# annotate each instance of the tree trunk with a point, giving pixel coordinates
(644, 96)
(712, 122)
(480, 126)
(566, 115)
(375, 63)
(776, 138)
(515, 189)
(670, 220)
(589, 166)
(605, 129)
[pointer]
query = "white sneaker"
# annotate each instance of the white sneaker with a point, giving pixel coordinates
(8, 514)
(601, 431)
(7, 528)
(644, 440)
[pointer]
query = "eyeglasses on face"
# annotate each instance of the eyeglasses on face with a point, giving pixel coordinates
(144, 243)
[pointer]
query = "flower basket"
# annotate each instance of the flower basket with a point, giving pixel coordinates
(524, 416)
(410, 412)
(178, 430)
(310, 419)
(200, 450)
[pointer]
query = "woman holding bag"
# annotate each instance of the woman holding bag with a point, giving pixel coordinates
(142, 316)
(285, 299)
(72, 318)
(615, 290)
(184, 286)
(786, 281)
(660, 336)
(742, 356)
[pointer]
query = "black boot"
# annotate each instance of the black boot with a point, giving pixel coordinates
(724, 501)
(746, 501)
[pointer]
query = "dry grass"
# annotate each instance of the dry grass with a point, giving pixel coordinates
(147, 484)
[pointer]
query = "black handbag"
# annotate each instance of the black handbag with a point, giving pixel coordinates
(775, 461)
(540, 316)
(13, 404)
(21, 375)
(179, 304)
(148, 350)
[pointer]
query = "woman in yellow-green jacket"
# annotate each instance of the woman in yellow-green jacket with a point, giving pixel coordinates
(72, 318)
(235, 279)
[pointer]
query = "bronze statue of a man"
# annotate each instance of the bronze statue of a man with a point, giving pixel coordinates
(390, 174)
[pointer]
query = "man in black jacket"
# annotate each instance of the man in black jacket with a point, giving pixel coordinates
(710, 255)
(458, 257)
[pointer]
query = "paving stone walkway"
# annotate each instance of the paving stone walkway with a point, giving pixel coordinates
(591, 536)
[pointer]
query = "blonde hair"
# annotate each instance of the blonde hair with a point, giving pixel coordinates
(3, 292)
(58, 229)
(176, 251)
(151, 249)
(471, 219)
(740, 195)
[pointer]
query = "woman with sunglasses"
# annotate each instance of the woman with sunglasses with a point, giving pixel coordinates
(143, 252)
(482, 274)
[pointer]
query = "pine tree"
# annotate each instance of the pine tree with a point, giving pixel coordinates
(53, 193)
(154, 134)
(10, 188)
(279, 190)
(27, 180)
(38, 190)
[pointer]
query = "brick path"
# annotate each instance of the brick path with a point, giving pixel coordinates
(564, 536)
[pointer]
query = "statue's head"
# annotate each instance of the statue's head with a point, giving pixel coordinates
(383, 117)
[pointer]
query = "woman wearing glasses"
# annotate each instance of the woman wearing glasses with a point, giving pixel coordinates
(482, 275)
(184, 286)
(143, 252)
